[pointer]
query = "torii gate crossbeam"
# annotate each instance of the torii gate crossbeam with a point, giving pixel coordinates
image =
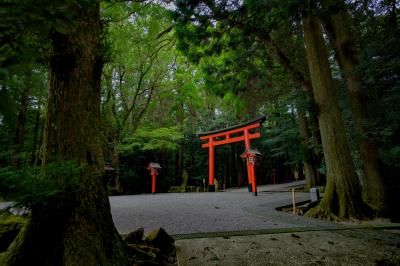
(232, 134)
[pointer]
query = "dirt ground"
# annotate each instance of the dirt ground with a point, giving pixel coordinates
(343, 247)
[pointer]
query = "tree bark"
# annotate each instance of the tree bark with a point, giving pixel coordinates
(76, 229)
(337, 23)
(225, 173)
(297, 76)
(35, 137)
(342, 196)
(181, 149)
(20, 130)
(309, 168)
(239, 169)
(115, 161)
(303, 81)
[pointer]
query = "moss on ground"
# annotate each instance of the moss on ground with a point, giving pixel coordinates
(10, 225)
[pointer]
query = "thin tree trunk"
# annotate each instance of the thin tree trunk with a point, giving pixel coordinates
(35, 137)
(225, 174)
(309, 168)
(337, 24)
(20, 130)
(178, 178)
(76, 229)
(231, 166)
(303, 82)
(181, 149)
(342, 196)
(115, 162)
(317, 154)
(180, 157)
(297, 76)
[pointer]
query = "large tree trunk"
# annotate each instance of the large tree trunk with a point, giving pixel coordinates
(337, 23)
(342, 196)
(76, 229)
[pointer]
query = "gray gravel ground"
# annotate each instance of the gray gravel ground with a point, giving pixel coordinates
(235, 209)
(347, 247)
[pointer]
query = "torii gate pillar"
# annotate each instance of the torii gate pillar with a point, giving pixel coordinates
(211, 185)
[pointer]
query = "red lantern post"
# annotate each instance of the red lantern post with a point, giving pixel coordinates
(153, 168)
(252, 155)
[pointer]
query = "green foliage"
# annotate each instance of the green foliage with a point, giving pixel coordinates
(152, 139)
(282, 137)
(378, 29)
(26, 28)
(211, 70)
(32, 186)
(7, 107)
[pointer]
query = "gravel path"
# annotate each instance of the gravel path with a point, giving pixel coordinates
(235, 209)
(345, 247)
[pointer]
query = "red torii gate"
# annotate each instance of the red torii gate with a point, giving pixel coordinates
(240, 132)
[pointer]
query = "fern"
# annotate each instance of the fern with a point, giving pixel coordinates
(29, 187)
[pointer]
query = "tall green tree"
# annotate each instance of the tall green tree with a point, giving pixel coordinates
(337, 22)
(342, 196)
(76, 229)
(243, 49)
(141, 52)
(271, 23)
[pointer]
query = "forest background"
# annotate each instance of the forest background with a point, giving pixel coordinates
(173, 70)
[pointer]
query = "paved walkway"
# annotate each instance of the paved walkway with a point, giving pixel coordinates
(234, 209)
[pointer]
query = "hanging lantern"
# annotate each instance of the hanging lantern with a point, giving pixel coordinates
(252, 155)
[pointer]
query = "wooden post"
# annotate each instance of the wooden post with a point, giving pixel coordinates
(294, 201)
(274, 176)
(153, 182)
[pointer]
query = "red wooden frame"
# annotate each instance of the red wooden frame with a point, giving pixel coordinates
(222, 137)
